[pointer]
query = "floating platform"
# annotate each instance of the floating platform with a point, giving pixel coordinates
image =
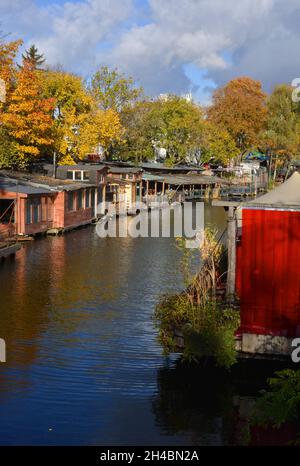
(7, 250)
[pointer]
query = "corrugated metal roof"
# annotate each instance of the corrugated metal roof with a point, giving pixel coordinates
(150, 177)
(163, 167)
(79, 166)
(124, 170)
(185, 179)
(16, 186)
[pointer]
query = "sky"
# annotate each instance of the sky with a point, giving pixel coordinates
(167, 46)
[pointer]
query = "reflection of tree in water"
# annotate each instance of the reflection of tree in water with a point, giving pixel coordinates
(207, 402)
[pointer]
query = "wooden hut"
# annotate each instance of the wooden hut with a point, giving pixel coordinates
(24, 209)
(124, 186)
(267, 270)
(31, 204)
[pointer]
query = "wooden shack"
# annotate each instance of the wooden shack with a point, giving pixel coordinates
(124, 186)
(267, 270)
(31, 204)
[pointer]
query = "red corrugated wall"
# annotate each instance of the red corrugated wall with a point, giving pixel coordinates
(268, 272)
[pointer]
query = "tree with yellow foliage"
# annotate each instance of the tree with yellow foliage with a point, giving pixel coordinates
(28, 116)
(8, 52)
(80, 125)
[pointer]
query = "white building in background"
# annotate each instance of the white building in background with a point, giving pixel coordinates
(188, 97)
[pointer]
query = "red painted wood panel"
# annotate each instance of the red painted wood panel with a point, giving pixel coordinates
(268, 272)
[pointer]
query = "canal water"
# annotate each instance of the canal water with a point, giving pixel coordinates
(83, 363)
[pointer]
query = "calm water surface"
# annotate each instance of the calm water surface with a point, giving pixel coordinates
(84, 366)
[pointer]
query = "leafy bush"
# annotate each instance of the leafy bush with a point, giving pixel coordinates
(281, 403)
(206, 326)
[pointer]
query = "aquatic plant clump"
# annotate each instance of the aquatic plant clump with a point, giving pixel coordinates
(196, 320)
(206, 329)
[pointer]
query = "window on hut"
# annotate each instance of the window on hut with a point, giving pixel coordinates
(77, 175)
(44, 209)
(70, 201)
(87, 198)
(92, 197)
(28, 211)
(36, 210)
(79, 200)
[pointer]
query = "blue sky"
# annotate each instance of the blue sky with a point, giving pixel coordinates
(166, 45)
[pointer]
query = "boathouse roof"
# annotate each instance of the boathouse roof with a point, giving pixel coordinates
(79, 166)
(15, 186)
(157, 166)
(185, 179)
(32, 183)
(287, 195)
(115, 169)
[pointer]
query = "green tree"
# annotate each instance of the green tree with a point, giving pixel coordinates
(113, 90)
(282, 122)
(218, 145)
(281, 136)
(172, 123)
(137, 144)
(33, 57)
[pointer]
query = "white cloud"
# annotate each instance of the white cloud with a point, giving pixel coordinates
(79, 29)
(260, 37)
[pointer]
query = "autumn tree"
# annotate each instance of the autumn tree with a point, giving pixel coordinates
(80, 125)
(28, 118)
(9, 153)
(8, 52)
(240, 108)
(113, 90)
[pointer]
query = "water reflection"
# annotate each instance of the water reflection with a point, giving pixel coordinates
(210, 406)
(83, 363)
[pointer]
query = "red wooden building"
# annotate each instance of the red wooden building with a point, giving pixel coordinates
(267, 269)
(44, 205)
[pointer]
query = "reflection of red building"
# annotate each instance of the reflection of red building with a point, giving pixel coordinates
(28, 208)
(268, 274)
